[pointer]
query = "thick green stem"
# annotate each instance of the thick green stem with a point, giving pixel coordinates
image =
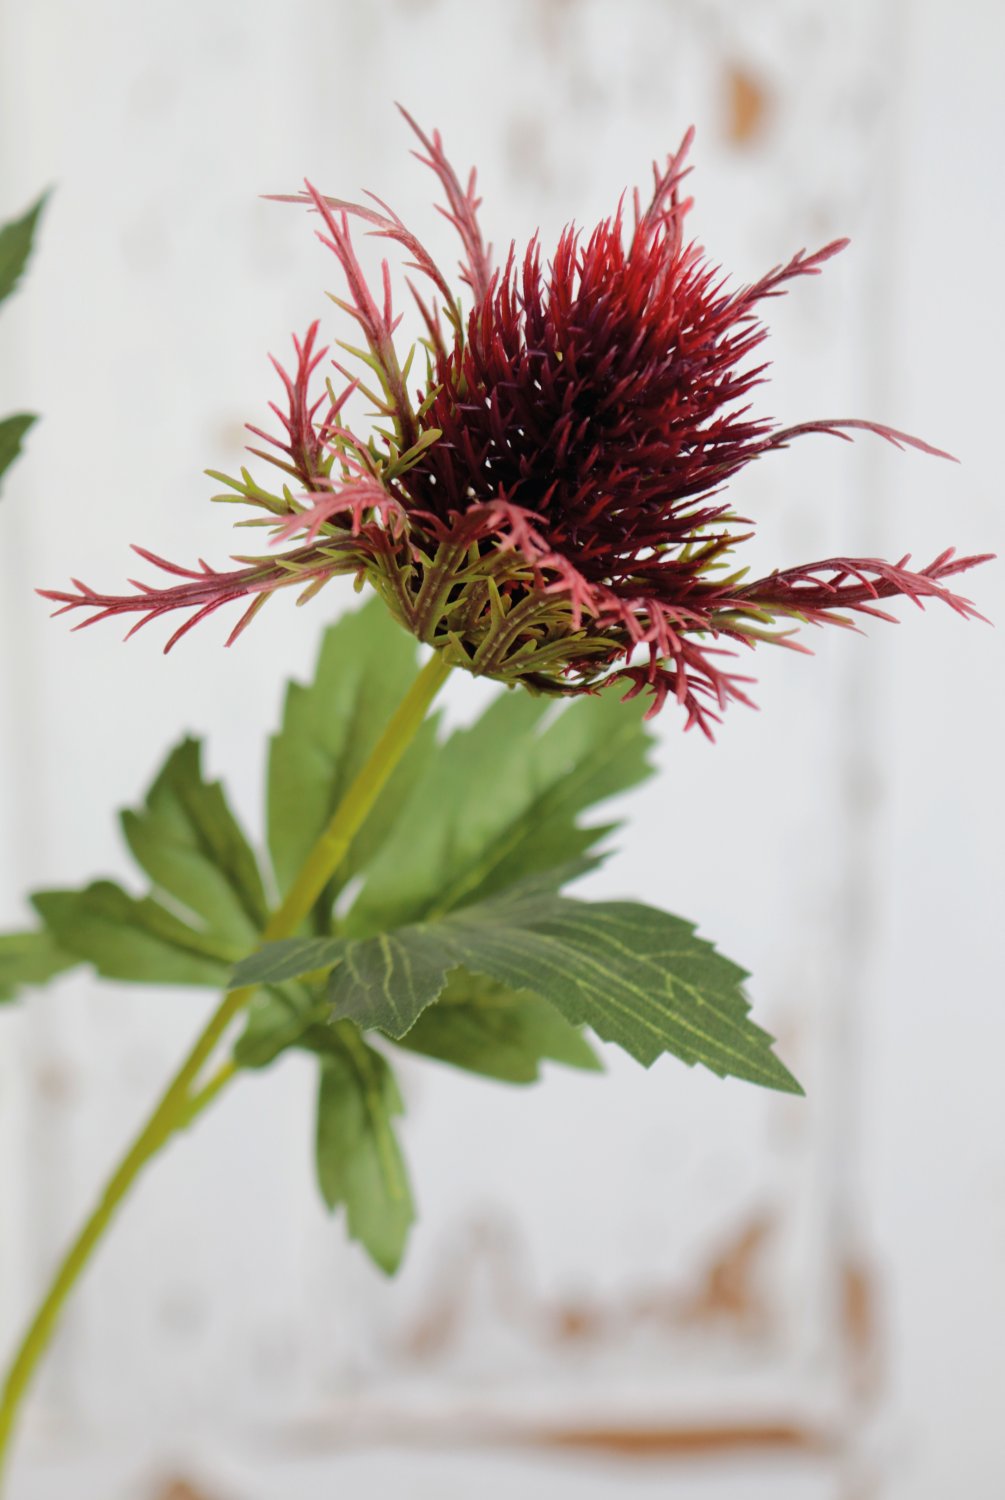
(179, 1106)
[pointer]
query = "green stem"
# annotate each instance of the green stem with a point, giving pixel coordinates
(205, 1096)
(178, 1106)
(333, 845)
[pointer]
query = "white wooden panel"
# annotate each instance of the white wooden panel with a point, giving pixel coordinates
(575, 1242)
(935, 1111)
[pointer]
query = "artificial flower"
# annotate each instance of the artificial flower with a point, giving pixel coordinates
(545, 494)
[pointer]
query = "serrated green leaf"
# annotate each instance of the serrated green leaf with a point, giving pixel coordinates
(129, 938)
(637, 976)
(12, 431)
(359, 1162)
(15, 247)
(507, 795)
(189, 843)
(488, 1028)
(29, 958)
(366, 665)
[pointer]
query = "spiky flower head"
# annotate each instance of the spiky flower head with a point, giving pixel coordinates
(546, 502)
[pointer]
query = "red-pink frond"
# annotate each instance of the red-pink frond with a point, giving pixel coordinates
(360, 499)
(693, 680)
(838, 427)
(665, 209)
(377, 323)
(461, 211)
(385, 224)
(513, 525)
(430, 315)
(773, 283)
(303, 440)
(204, 591)
(816, 590)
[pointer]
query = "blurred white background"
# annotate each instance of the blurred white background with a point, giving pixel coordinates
(650, 1284)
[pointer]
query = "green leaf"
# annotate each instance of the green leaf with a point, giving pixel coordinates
(28, 958)
(15, 247)
(278, 1019)
(189, 843)
(126, 938)
(12, 430)
(541, 781)
(501, 1033)
(637, 976)
(507, 795)
(477, 1025)
(271, 1026)
(208, 905)
(366, 665)
(359, 1162)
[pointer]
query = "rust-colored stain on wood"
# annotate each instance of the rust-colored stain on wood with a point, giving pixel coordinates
(857, 1309)
(860, 1325)
(56, 1081)
(726, 1292)
(683, 1442)
(729, 1285)
(747, 106)
(180, 1489)
(574, 1321)
(778, 1433)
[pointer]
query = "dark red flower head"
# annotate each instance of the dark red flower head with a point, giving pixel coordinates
(547, 503)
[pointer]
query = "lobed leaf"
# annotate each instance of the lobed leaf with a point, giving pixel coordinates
(637, 976)
(488, 1028)
(129, 938)
(208, 903)
(508, 793)
(359, 1161)
(28, 958)
(188, 841)
(477, 1025)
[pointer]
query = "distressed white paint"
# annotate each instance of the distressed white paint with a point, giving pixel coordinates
(840, 843)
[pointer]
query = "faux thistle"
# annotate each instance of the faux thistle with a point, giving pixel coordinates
(547, 504)
(544, 501)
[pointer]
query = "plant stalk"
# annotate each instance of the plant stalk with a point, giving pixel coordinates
(179, 1106)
